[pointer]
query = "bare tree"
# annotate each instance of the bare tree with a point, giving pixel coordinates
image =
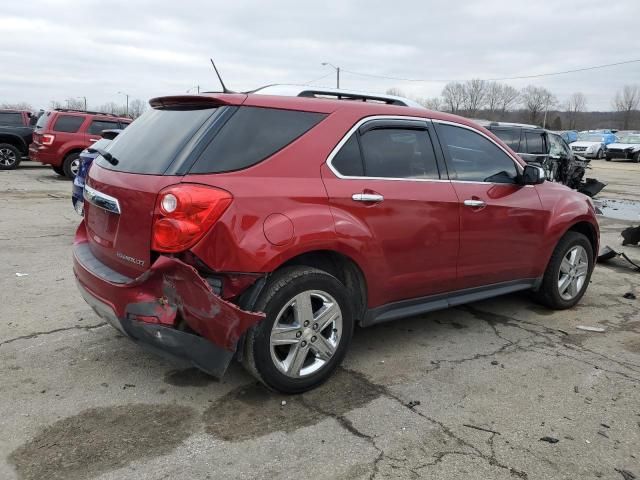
(537, 100)
(576, 104)
(626, 101)
(56, 104)
(74, 103)
(395, 92)
(111, 107)
(434, 103)
(137, 108)
(453, 95)
(509, 98)
(493, 98)
(17, 106)
(475, 95)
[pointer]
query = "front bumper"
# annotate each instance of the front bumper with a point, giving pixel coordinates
(618, 154)
(586, 154)
(148, 309)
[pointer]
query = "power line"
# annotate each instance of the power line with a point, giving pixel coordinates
(319, 78)
(521, 77)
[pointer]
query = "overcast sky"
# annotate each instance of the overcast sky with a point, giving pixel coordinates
(54, 49)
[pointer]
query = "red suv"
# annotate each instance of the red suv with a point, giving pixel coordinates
(265, 227)
(60, 135)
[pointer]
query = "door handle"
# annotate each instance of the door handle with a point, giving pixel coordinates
(367, 197)
(474, 203)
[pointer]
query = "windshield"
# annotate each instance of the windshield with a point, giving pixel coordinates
(590, 137)
(630, 139)
(151, 143)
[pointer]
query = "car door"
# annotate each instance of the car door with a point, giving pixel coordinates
(391, 203)
(501, 221)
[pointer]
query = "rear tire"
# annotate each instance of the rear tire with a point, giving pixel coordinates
(71, 165)
(568, 272)
(10, 157)
(600, 154)
(305, 347)
(608, 159)
(636, 157)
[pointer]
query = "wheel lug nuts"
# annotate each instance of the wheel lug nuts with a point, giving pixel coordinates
(304, 344)
(313, 339)
(315, 326)
(298, 334)
(306, 323)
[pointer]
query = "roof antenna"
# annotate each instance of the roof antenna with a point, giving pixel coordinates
(224, 87)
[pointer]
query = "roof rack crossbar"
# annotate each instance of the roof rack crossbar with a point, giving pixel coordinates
(352, 96)
(79, 110)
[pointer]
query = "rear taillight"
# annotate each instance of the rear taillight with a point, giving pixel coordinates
(184, 213)
(47, 139)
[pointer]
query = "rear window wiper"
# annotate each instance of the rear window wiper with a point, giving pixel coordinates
(106, 155)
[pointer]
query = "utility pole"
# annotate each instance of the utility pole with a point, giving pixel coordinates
(127, 108)
(337, 69)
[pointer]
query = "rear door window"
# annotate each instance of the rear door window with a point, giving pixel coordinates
(151, 143)
(398, 153)
(510, 137)
(475, 158)
(97, 126)
(251, 135)
(43, 120)
(68, 123)
(535, 143)
(348, 161)
(10, 118)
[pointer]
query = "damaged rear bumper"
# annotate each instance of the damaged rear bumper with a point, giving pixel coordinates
(148, 309)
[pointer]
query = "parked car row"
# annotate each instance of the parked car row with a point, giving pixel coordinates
(60, 135)
(264, 226)
(16, 134)
(548, 149)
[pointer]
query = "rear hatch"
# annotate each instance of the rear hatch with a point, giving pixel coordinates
(120, 198)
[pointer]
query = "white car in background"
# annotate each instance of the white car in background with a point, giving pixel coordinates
(627, 148)
(592, 144)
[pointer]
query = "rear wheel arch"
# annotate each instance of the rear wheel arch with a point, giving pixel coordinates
(342, 267)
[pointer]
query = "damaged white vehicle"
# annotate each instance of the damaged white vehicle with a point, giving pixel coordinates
(592, 145)
(626, 148)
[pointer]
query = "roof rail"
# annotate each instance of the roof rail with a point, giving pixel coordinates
(334, 93)
(78, 110)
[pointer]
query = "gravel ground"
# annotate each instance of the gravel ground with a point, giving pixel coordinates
(466, 393)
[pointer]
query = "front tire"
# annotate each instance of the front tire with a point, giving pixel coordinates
(10, 157)
(305, 335)
(568, 272)
(71, 165)
(600, 154)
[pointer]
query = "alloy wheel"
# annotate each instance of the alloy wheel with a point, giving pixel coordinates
(306, 333)
(573, 272)
(75, 166)
(7, 157)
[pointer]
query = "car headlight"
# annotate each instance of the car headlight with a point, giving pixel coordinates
(590, 149)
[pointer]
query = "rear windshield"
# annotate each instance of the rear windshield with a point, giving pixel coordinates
(151, 143)
(10, 118)
(43, 120)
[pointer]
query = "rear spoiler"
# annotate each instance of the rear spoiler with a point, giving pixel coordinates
(196, 102)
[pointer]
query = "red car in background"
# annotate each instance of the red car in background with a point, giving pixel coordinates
(61, 134)
(265, 227)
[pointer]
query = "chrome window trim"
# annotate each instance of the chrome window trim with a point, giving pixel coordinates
(360, 122)
(101, 200)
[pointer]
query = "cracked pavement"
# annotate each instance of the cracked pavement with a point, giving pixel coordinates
(465, 393)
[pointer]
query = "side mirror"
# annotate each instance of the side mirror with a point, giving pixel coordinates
(532, 175)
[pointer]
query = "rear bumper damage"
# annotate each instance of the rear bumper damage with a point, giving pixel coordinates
(155, 308)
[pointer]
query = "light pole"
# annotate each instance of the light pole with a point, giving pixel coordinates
(85, 102)
(327, 64)
(126, 95)
(196, 87)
